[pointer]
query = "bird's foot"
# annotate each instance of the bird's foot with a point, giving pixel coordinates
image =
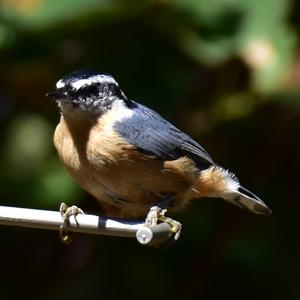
(66, 212)
(157, 215)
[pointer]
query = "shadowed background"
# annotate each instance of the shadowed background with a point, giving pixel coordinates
(225, 71)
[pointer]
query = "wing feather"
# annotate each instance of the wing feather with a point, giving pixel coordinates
(152, 134)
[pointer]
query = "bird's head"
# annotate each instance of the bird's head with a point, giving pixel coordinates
(87, 91)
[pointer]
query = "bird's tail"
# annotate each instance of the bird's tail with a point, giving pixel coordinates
(217, 182)
(246, 199)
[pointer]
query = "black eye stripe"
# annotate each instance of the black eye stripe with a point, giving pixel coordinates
(97, 89)
(88, 90)
(91, 92)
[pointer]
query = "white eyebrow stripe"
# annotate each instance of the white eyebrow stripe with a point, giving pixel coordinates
(94, 79)
(60, 84)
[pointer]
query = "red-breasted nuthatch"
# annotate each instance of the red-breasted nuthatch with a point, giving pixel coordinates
(129, 157)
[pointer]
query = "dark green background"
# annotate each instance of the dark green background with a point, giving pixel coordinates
(225, 71)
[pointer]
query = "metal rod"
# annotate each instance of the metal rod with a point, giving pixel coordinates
(84, 223)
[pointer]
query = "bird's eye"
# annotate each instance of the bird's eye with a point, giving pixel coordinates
(88, 90)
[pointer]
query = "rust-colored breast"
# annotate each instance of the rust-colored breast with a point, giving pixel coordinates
(124, 181)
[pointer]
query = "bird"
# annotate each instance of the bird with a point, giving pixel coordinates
(129, 157)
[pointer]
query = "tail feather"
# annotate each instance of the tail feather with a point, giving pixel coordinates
(246, 199)
(218, 182)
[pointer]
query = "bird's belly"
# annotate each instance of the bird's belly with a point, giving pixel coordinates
(128, 190)
(122, 186)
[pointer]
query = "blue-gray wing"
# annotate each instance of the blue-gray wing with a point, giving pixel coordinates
(152, 134)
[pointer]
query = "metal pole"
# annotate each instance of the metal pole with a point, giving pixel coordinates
(85, 223)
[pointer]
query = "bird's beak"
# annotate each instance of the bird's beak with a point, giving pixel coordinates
(56, 95)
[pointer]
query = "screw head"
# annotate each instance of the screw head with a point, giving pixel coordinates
(144, 235)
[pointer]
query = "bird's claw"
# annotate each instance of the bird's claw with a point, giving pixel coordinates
(153, 216)
(66, 212)
(156, 215)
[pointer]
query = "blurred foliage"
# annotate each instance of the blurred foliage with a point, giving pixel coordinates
(225, 71)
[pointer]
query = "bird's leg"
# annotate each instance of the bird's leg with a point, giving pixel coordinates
(166, 201)
(159, 209)
(157, 213)
(66, 212)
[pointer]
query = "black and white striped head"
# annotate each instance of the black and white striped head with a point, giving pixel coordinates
(87, 90)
